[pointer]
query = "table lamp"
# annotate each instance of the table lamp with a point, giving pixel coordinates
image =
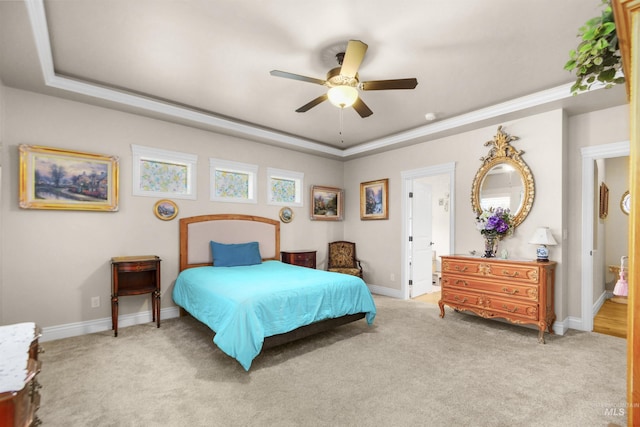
(543, 237)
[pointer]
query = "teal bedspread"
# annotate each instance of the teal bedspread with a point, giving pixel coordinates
(243, 305)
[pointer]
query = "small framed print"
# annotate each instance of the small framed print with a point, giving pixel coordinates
(374, 199)
(286, 215)
(326, 203)
(604, 201)
(165, 209)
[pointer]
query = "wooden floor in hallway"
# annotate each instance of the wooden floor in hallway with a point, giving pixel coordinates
(611, 319)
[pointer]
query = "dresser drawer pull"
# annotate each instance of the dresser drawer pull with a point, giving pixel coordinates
(460, 269)
(464, 282)
(514, 274)
(507, 291)
(457, 298)
(507, 308)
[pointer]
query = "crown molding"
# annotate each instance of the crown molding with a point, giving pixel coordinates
(38, 21)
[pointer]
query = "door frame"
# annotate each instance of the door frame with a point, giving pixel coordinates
(407, 182)
(589, 156)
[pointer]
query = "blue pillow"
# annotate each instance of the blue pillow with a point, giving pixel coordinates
(235, 254)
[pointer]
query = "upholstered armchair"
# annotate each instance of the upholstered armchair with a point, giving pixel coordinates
(341, 258)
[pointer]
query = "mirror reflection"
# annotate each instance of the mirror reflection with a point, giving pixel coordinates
(502, 187)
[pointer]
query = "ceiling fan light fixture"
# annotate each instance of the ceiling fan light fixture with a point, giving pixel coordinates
(342, 96)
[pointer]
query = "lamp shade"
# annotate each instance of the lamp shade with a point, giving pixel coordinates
(543, 236)
(342, 96)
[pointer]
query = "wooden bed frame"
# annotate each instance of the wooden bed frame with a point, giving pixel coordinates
(196, 233)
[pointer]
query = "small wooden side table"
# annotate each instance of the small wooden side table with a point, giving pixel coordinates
(135, 275)
(302, 258)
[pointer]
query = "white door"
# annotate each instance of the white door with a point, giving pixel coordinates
(421, 246)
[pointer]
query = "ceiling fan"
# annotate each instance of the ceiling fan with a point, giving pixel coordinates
(343, 81)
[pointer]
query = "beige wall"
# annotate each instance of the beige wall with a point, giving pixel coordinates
(2, 89)
(586, 130)
(53, 262)
(617, 222)
(380, 242)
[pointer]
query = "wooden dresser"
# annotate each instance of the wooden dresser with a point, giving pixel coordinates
(521, 292)
(302, 258)
(19, 366)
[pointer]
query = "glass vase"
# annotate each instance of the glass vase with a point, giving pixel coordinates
(490, 246)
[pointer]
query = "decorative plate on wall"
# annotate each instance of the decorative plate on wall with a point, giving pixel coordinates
(165, 209)
(286, 215)
(625, 202)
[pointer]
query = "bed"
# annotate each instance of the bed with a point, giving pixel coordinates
(253, 301)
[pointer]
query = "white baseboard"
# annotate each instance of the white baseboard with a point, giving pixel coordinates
(99, 325)
(387, 292)
(577, 323)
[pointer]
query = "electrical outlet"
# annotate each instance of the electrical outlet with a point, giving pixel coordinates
(95, 302)
(392, 277)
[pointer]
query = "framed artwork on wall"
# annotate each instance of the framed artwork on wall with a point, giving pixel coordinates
(165, 209)
(286, 215)
(163, 173)
(374, 199)
(53, 178)
(233, 181)
(326, 203)
(604, 200)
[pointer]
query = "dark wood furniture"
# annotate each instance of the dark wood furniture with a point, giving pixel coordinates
(303, 258)
(521, 292)
(19, 397)
(135, 275)
(196, 233)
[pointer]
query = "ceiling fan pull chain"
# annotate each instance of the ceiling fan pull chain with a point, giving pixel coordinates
(341, 125)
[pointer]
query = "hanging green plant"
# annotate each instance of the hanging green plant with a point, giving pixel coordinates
(597, 58)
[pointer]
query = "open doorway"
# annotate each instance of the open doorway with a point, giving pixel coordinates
(427, 226)
(593, 232)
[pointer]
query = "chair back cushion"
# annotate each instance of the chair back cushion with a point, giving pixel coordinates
(342, 255)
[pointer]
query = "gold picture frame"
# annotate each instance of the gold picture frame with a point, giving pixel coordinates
(604, 201)
(374, 199)
(327, 203)
(286, 215)
(165, 209)
(625, 202)
(54, 178)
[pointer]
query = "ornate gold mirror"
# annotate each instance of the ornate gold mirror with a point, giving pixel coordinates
(504, 180)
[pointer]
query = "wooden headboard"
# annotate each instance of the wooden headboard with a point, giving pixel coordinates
(197, 231)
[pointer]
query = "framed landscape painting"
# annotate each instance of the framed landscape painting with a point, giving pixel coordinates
(326, 203)
(53, 178)
(374, 199)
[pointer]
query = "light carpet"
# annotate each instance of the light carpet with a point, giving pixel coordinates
(409, 368)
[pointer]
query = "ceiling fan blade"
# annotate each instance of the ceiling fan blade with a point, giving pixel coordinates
(353, 58)
(362, 108)
(389, 84)
(311, 104)
(286, 75)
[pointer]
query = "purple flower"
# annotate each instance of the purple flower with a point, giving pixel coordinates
(495, 222)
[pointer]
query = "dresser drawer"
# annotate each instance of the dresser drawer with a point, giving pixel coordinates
(132, 267)
(490, 306)
(494, 269)
(510, 289)
(300, 258)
